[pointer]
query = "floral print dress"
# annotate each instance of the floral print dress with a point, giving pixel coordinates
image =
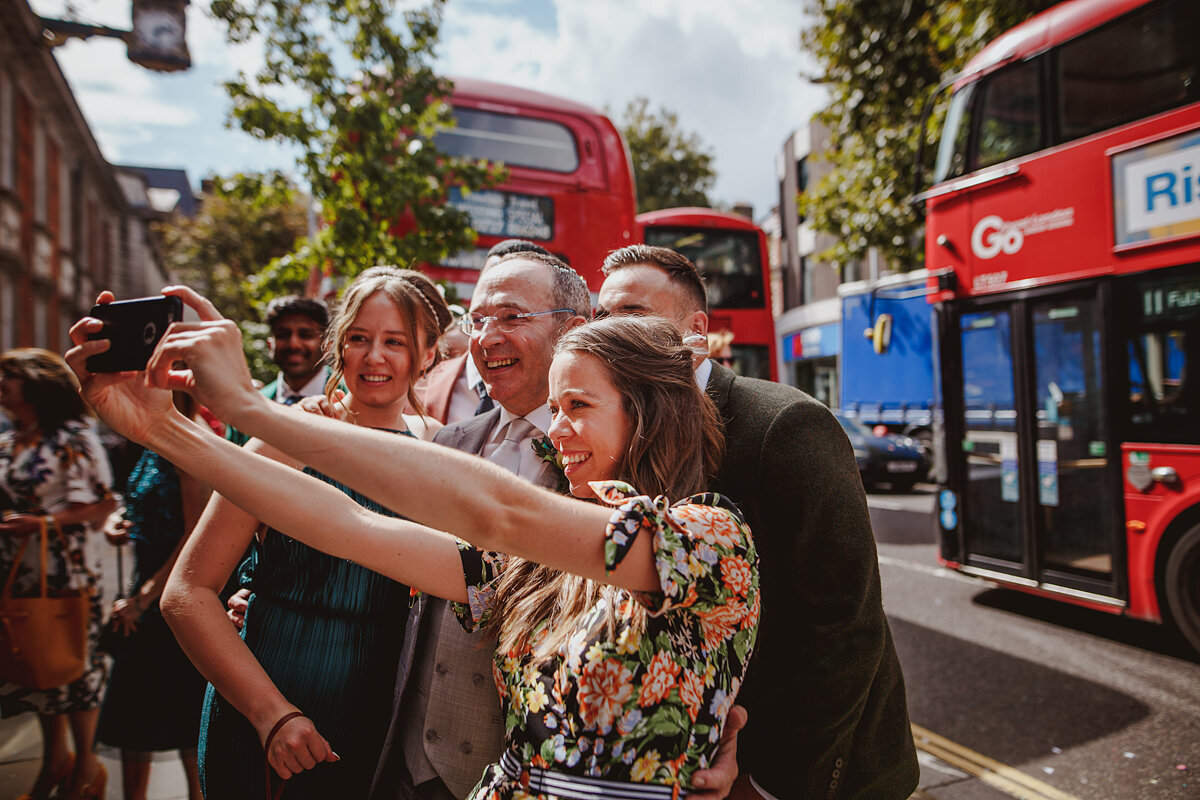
(642, 708)
(67, 467)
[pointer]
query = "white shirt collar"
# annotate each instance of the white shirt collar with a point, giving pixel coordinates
(703, 373)
(315, 385)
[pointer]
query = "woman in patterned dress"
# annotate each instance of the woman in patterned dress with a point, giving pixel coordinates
(319, 632)
(623, 634)
(52, 465)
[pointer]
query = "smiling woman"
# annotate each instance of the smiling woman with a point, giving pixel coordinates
(325, 631)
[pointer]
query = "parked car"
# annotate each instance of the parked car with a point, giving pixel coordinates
(895, 460)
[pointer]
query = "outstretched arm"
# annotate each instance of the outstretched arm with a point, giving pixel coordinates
(436, 486)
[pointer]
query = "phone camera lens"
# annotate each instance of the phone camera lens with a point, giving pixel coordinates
(149, 333)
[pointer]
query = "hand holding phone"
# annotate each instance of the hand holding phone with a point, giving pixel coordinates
(134, 327)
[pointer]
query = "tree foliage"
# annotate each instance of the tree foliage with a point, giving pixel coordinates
(244, 223)
(670, 167)
(361, 102)
(882, 60)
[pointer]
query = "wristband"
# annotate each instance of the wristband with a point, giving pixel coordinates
(284, 720)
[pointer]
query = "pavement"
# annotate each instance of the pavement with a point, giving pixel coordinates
(21, 738)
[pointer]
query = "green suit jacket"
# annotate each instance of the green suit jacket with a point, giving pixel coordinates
(828, 717)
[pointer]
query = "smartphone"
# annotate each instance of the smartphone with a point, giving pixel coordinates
(134, 327)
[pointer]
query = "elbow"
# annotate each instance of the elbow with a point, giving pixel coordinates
(508, 523)
(175, 601)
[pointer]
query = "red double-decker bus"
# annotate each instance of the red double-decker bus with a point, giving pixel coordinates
(570, 184)
(730, 252)
(1063, 228)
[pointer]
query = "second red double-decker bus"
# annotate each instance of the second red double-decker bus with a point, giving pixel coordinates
(730, 252)
(569, 187)
(1065, 222)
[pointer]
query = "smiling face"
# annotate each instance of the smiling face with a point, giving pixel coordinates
(378, 353)
(590, 427)
(514, 364)
(295, 344)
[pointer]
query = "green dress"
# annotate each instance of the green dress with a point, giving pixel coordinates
(328, 632)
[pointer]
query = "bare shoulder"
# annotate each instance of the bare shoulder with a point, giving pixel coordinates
(424, 428)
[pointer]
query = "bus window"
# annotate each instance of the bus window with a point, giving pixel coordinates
(515, 141)
(1163, 388)
(728, 261)
(1144, 63)
(1010, 119)
(952, 150)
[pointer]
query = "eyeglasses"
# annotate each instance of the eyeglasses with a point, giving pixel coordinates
(506, 321)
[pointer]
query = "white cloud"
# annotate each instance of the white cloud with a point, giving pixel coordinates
(729, 70)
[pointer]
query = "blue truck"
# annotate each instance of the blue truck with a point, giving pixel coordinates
(887, 368)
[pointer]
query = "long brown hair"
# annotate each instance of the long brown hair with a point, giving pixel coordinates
(674, 449)
(420, 303)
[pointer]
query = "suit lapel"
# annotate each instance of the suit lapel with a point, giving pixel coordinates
(720, 382)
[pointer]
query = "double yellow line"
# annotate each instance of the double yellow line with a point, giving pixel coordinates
(999, 776)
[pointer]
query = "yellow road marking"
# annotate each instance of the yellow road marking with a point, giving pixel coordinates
(999, 776)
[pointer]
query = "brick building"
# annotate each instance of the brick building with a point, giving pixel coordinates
(67, 228)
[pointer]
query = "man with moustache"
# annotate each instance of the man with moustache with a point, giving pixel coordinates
(297, 327)
(828, 716)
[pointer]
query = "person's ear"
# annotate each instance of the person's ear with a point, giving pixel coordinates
(696, 322)
(430, 357)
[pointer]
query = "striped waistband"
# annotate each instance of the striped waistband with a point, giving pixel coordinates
(578, 787)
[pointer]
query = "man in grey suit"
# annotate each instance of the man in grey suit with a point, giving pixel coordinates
(828, 716)
(447, 723)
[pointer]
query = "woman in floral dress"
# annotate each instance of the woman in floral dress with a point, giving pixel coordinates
(52, 466)
(624, 624)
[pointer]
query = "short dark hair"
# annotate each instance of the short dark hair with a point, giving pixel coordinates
(570, 289)
(310, 307)
(677, 266)
(509, 246)
(47, 384)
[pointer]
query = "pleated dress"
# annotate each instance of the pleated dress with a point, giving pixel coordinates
(154, 693)
(328, 632)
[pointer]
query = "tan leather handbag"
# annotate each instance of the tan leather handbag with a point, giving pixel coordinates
(43, 639)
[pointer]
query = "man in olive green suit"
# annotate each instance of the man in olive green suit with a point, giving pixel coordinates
(828, 717)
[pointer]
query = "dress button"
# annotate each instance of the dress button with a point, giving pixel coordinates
(466, 747)
(477, 679)
(440, 668)
(837, 773)
(838, 763)
(432, 736)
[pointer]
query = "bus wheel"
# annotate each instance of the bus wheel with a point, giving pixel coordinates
(1183, 586)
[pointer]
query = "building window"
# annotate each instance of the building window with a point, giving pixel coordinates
(39, 174)
(8, 123)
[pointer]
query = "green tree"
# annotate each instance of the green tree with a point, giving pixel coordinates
(670, 167)
(882, 60)
(244, 223)
(361, 103)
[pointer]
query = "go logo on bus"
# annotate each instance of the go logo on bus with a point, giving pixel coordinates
(993, 236)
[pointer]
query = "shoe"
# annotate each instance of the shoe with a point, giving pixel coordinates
(93, 789)
(58, 783)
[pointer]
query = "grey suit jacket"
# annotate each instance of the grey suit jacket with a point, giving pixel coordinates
(463, 725)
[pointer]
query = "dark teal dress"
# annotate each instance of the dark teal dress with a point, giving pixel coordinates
(154, 694)
(328, 632)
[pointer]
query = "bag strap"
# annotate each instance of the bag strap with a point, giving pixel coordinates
(43, 530)
(285, 719)
(16, 564)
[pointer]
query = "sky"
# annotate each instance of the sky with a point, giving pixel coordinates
(732, 71)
